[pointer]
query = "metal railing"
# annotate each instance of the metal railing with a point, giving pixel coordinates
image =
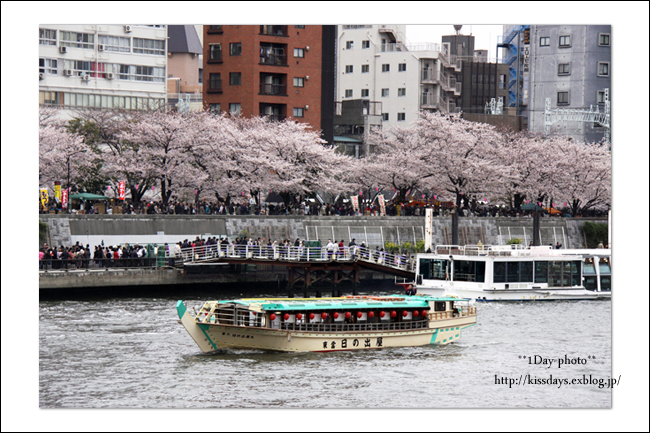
(289, 254)
(89, 264)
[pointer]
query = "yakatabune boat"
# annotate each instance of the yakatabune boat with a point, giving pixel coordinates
(327, 324)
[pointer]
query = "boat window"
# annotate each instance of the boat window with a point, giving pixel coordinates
(434, 269)
(439, 306)
(590, 283)
(513, 272)
(480, 272)
(605, 283)
(464, 270)
(604, 266)
(541, 272)
(555, 274)
(526, 275)
(575, 273)
(589, 268)
(499, 272)
(566, 274)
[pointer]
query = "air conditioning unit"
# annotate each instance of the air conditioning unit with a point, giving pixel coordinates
(110, 75)
(41, 76)
(127, 29)
(63, 50)
(85, 77)
(67, 72)
(101, 47)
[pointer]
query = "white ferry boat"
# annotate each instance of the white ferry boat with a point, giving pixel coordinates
(514, 273)
(327, 324)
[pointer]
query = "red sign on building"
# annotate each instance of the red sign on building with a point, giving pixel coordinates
(122, 190)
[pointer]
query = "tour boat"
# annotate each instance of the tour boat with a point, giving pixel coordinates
(327, 324)
(514, 273)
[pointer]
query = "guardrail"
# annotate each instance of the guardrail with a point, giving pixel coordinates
(208, 253)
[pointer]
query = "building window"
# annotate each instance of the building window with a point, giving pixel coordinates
(235, 78)
(47, 66)
(384, 93)
(235, 48)
(364, 93)
(298, 27)
(365, 69)
(603, 69)
(385, 67)
(600, 97)
(234, 108)
(401, 67)
(216, 29)
(544, 41)
(77, 40)
(133, 72)
(49, 98)
(200, 75)
(349, 45)
(149, 46)
(298, 82)
(298, 112)
(215, 53)
(115, 43)
(562, 98)
(384, 117)
(563, 69)
(365, 44)
(401, 117)
(603, 40)
(215, 82)
(46, 37)
(299, 52)
(502, 81)
(565, 41)
(215, 108)
(401, 91)
(348, 93)
(349, 69)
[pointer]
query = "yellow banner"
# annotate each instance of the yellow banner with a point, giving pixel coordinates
(57, 190)
(44, 198)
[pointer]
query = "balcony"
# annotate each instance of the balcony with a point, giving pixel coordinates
(215, 56)
(215, 30)
(214, 86)
(273, 89)
(273, 54)
(275, 112)
(274, 30)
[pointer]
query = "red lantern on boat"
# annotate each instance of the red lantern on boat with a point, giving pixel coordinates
(416, 313)
(424, 313)
(359, 314)
(336, 315)
(272, 316)
(299, 316)
(347, 315)
(405, 313)
(393, 314)
(382, 314)
(286, 316)
(371, 314)
(323, 316)
(311, 316)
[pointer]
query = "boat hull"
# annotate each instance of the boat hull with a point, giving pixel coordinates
(211, 337)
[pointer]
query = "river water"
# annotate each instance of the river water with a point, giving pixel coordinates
(132, 353)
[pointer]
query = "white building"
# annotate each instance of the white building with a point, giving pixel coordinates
(375, 64)
(103, 66)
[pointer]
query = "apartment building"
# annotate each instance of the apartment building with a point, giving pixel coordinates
(280, 71)
(375, 64)
(184, 68)
(103, 66)
(568, 64)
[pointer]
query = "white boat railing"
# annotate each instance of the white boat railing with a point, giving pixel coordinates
(483, 250)
(210, 253)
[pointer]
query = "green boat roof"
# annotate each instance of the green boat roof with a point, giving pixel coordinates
(302, 304)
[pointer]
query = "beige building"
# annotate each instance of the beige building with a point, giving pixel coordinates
(184, 68)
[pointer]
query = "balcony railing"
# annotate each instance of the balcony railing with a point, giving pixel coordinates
(215, 56)
(388, 48)
(215, 30)
(273, 59)
(214, 86)
(274, 30)
(273, 89)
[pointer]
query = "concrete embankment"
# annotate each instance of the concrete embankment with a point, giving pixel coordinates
(374, 231)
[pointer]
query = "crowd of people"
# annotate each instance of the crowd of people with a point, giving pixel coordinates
(249, 207)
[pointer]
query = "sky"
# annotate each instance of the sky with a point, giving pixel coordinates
(485, 35)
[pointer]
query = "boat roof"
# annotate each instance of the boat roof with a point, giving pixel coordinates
(370, 302)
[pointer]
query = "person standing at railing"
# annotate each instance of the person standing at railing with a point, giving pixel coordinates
(352, 248)
(330, 249)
